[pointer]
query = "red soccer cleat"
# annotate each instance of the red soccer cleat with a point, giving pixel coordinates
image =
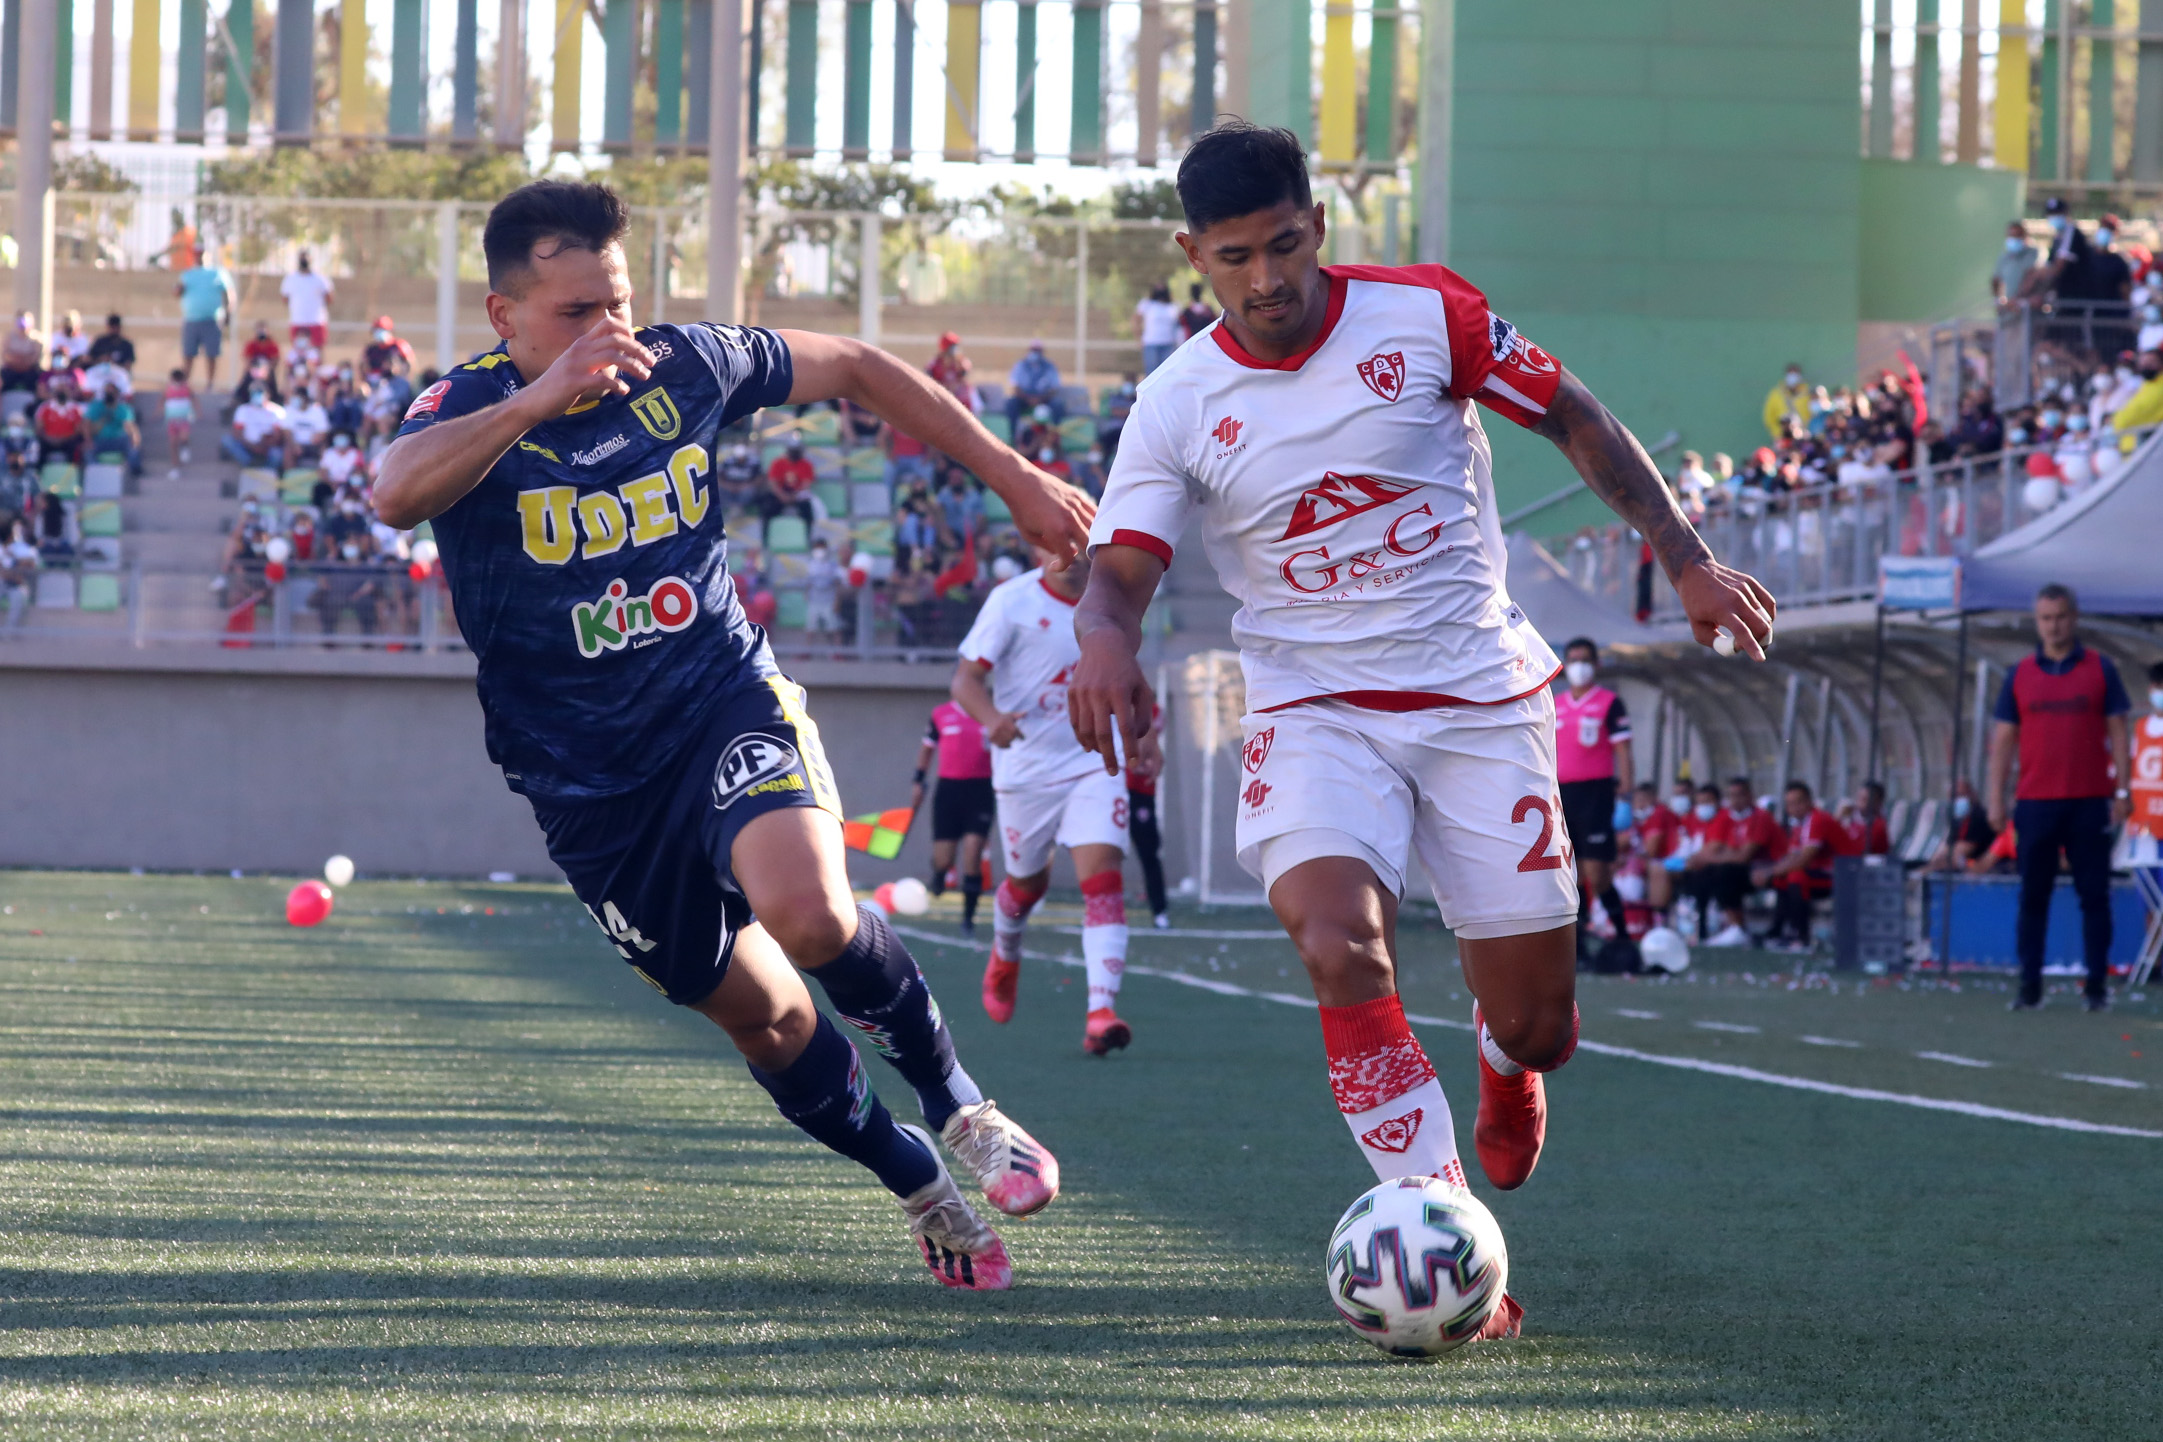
(1002, 978)
(1105, 1033)
(1512, 1122)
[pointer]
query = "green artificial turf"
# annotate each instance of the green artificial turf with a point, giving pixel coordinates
(444, 1168)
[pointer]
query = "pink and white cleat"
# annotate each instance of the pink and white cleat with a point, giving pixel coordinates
(1002, 979)
(1018, 1174)
(959, 1248)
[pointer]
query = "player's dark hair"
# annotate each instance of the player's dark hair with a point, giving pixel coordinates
(1804, 788)
(575, 214)
(1238, 168)
(1877, 788)
(1742, 781)
(2053, 591)
(1583, 643)
(2155, 674)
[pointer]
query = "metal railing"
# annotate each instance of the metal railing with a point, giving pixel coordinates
(1820, 545)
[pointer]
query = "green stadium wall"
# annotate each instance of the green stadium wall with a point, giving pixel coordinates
(1930, 235)
(1665, 194)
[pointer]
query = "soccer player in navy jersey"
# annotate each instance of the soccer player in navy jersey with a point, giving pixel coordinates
(680, 783)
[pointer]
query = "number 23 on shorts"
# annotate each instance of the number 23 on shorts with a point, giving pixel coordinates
(1538, 857)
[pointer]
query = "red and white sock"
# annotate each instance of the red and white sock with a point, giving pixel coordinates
(1387, 1090)
(1010, 908)
(1104, 936)
(1500, 1061)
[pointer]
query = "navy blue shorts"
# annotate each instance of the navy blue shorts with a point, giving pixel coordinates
(652, 865)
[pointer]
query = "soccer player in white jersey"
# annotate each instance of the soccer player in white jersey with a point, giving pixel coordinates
(1015, 663)
(1324, 432)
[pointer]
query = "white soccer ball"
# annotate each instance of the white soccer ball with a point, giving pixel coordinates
(911, 898)
(1663, 949)
(338, 871)
(1417, 1266)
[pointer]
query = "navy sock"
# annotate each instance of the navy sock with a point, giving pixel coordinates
(972, 891)
(826, 1094)
(876, 987)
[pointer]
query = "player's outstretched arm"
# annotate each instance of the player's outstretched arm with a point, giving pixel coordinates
(1615, 466)
(1106, 693)
(423, 475)
(1048, 513)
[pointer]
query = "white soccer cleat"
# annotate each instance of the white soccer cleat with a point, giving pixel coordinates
(1731, 935)
(1018, 1174)
(958, 1247)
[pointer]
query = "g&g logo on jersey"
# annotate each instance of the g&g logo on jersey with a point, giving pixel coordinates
(657, 412)
(752, 760)
(609, 623)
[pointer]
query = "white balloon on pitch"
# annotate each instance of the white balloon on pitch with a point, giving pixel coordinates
(338, 871)
(1664, 950)
(911, 897)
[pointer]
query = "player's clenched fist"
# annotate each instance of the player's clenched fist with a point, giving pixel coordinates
(595, 365)
(1720, 598)
(1107, 699)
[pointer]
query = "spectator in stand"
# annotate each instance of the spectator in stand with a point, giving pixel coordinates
(22, 355)
(206, 305)
(2064, 710)
(261, 347)
(1719, 875)
(59, 421)
(961, 507)
(2105, 279)
(2150, 336)
(859, 428)
(1118, 405)
(18, 570)
(258, 434)
(1196, 316)
(1050, 460)
(1157, 319)
(1088, 473)
(179, 403)
(70, 346)
(2146, 406)
(914, 533)
(1968, 832)
(1803, 875)
(110, 423)
(737, 475)
(1033, 382)
(18, 440)
(386, 354)
(950, 368)
(308, 425)
(788, 487)
(52, 529)
(307, 293)
(1789, 400)
(2068, 251)
(822, 592)
(18, 490)
(1654, 835)
(342, 463)
(113, 347)
(1693, 483)
(343, 405)
(382, 409)
(2009, 277)
(906, 456)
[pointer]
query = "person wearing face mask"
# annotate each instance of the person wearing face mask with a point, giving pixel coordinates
(1802, 875)
(1789, 399)
(2009, 277)
(1738, 836)
(1655, 830)
(1052, 463)
(2146, 406)
(788, 486)
(386, 352)
(1862, 824)
(17, 439)
(1968, 832)
(1592, 768)
(258, 434)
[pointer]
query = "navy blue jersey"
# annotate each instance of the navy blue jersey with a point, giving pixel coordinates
(589, 568)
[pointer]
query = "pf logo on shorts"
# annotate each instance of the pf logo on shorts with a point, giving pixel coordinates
(748, 760)
(1256, 751)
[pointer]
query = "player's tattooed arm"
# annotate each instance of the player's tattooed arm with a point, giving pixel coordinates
(1048, 513)
(1106, 693)
(1616, 468)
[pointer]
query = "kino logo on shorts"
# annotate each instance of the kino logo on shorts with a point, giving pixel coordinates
(750, 760)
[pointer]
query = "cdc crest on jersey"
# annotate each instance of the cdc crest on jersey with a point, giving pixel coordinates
(1417, 1266)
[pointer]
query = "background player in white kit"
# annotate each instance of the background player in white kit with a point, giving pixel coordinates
(1324, 432)
(1015, 664)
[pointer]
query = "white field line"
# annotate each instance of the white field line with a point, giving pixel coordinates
(1952, 1059)
(1637, 1015)
(1680, 1063)
(1827, 1041)
(2105, 1081)
(1736, 1027)
(1176, 933)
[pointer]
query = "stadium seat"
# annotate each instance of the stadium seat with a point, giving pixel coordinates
(819, 428)
(791, 609)
(55, 590)
(99, 518)
(61, 478)
(1896, 824)
(1077, 434)
(787, 568)
(995, 508)
(98, 591)
(787, 534)
(992, 397)
(864, 464)
(997, 423)
(1922, 835)
(834, 496)
(100, 552)
(297, 486)
(875, 536)
(104, 481)
(870, 498)
(1074, 400)
(257, 484)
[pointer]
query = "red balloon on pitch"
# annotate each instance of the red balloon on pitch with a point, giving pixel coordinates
(307, 903)
(883, 898)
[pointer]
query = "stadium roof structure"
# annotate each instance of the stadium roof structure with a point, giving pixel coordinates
(2103, 543)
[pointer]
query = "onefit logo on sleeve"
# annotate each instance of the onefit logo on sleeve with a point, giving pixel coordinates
(609, 623)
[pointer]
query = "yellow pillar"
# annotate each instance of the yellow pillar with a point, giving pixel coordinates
(964, 57)
(1340, 87)
(144, 62)
(570, 65)
(2010, 143)
(353, 116)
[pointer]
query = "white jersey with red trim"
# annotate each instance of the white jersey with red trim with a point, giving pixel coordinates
(1025, 634)
(1345, 493)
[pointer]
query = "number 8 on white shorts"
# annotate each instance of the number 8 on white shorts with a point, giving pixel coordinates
(1089, 810)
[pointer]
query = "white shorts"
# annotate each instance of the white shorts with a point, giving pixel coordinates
(1090, 810)
(1469, 790)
